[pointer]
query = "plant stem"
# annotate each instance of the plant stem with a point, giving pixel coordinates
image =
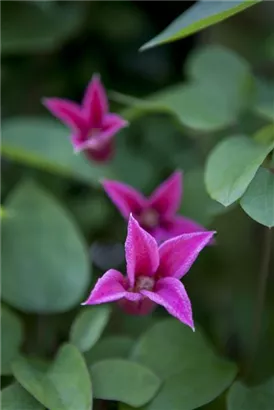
(259, 307)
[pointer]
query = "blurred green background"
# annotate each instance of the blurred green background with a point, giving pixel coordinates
(52, 49)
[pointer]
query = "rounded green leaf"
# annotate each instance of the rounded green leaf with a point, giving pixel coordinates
(125, 381)
(194, 387)
(44, 143)
(181, 350)
(46, 268)
(88, 326)
(202, 14)
(241, 397)
(66, 385)
(12, 338)
(15, 397)
(232, 165)
(258, 200)
(215, 64)
(109, 348)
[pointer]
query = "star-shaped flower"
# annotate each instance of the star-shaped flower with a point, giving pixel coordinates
(156, 214)
(153, 274)
(92, 125)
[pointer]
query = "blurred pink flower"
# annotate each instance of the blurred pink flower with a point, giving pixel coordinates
(153, 274)
(156, 214)
(92, 125)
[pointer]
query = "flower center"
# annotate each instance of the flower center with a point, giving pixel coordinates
(149, 218)
(144, 282)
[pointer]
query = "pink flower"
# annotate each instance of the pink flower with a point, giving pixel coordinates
(156, 214)
(92, 125)
(153, 274)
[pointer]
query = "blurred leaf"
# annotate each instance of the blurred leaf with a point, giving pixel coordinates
(180, 351)
(46, 269)
(199, 16)
(241, 397)
(15, 397)
(265, 135)
(65, 386)
(232, 165)
(12, 338)
(196, 202)
(186, 363)
(199, 106)
(109, 348)
(44, 143)
(264, 104)
(258, 200)
(222, 68)
(88, 326)
(122, 380)
(28, 28)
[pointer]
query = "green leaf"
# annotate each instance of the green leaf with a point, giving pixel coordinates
(88, 326)
(44, 143)
(241, 397)
(199, 16)
(264, 104)
(125, 381)
(46, 269)
(66, 385)
(186, 363)
(189, 103)
(117, 347)
(14, 397)
(196, 203)
(221, 68)
(232, 165)
(29, 28)
(258, 200)
(12, 338)
(180, 349)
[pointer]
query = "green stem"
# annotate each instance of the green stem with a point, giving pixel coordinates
(259, 307)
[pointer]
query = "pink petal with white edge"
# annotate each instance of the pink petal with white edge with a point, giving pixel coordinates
(181, 225)
(171, 294)
(112, 123)
(167, 197)
(69, 113)
(95, 102)
(110, 287)
(141, 252)
(178, 254)
(126, 198)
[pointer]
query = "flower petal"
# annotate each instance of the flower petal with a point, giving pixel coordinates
(171, 294)
(112, 123)
(167, 197)
(110, 287)
(95, 102)
(126, 198)
(180, 225)
(69, 113)
(141, 252)
(178, 254)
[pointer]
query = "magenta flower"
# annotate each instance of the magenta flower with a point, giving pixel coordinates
(153, 274)
(92, 125)
(156, 214)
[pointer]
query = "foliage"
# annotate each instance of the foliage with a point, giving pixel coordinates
(204, 106)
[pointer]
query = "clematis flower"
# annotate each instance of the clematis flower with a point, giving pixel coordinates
(92, 125)
(156, 214)
(153, 274)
